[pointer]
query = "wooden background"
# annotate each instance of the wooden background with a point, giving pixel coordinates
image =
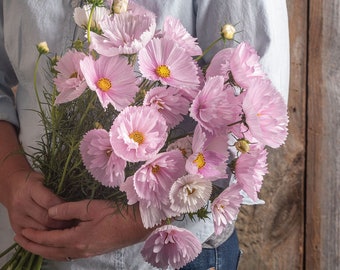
(299, 226)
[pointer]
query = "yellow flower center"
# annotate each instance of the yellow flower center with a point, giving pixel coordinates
(163, 71)
(155, 169)
(137, 136)
(104, 84)
(200, 161)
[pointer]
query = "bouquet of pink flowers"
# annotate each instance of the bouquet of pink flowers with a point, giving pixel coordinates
(122, 99)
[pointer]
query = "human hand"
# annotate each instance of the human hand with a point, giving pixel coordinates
(21, 189)
(27, 202)
(101, 228)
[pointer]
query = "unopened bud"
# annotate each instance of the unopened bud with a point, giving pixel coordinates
(43, 48)
(228, 31)
(120, 6)
(242, 145)
(98, 125)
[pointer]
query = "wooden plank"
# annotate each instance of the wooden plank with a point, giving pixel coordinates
(271, 236)
(323, 151)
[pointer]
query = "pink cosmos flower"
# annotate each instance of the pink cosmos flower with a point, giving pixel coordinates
(70, 81)
(215, 107)
(220, 64)
(245, 65)
(250, 168)
(162, 60)
(151, 214)
(266, 113)
(173, 29)
(154, 179)
(226, 206)
(100, 160)
(128, 187)
(124, 33)
(171, 246)
(209, 155)
(112, 79)
(169, 102)
(138, 133)
(190, 193)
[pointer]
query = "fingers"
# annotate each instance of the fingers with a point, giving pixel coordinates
(85, 210)
(55, 245)
(43, 196)
(51, 253)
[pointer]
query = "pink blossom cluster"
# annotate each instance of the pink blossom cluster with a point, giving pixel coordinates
(237, 109)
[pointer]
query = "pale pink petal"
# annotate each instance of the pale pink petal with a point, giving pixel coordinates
(70, 82)
(112, 78)
(162, 60)
(169, 102)
(250, 168)
(154, 179)
(138, 133)
(190, 193)
(153, 216)
(225, 207)
(100, 160)
(266, 113)
(219, 65)
(173, 29)
(245, 65)
(214, 107)
(207, 162)
(170, 246)
(130, 191)
(124, 33)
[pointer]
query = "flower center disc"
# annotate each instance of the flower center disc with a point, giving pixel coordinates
(163, 71)
(104, 84)
(137, 137)
(74, 75)
(200, 161)
(155, 169)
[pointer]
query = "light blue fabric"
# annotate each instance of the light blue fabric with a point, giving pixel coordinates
(25, 23)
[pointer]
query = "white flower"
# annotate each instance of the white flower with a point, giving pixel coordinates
(81, 16)
(190, 193)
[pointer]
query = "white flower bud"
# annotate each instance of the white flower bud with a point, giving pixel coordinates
(228, 31)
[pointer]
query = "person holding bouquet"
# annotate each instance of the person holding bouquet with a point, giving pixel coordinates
(93, 234)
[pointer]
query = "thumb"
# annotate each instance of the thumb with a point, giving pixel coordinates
(70, 210)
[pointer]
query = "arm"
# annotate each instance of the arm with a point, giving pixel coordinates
(21, 189)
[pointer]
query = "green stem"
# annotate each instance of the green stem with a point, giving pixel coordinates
(74, 145)
(37, 263)
(43, 116)
(89, 23)
(8, 250)
(208, 49)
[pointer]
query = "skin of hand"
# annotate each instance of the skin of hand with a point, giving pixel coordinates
(101, 228)
(21, 189)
